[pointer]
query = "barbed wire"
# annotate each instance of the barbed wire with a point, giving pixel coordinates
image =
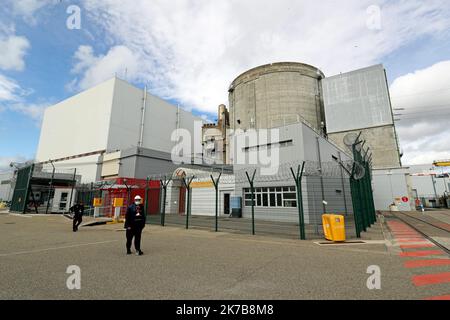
(281, 173)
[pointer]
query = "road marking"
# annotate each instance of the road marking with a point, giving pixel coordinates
(429, 279)
(55, 248)
(422, 253)
(426, 263)
(417, 246)
(446, 297)
(410, 240)
(20, 215)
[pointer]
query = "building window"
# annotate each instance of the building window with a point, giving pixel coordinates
(63, 201)
(273, 197)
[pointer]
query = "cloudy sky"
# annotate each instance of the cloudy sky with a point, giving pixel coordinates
(188, 52)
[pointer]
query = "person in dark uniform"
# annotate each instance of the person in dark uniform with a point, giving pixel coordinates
(134, 224)
(78, 211)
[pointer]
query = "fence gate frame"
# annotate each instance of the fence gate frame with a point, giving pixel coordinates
(21, 193)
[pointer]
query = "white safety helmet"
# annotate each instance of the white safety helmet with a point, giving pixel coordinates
(137, 200)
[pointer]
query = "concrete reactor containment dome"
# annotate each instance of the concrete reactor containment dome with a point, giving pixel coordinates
(275, 95)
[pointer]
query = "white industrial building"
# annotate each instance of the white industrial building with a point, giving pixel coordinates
(276, 197)
(6, 186)
(116, 130)
(112, 117)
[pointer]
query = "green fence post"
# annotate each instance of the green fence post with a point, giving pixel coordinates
(188, 207)
(252, 190)
(74, 182)
(50, 188)
(298, 183)
(372, 202)
(27, 192)
(163, 213)
(187, 184)
(146, 200)
(355, 202)
(164, 184)
(216, 186)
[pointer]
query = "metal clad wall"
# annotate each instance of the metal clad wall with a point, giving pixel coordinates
(77, 125)
(203, 201)
(358, 99)
(389, 186)
(160, 120)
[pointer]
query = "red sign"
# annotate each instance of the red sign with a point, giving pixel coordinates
(405, 199)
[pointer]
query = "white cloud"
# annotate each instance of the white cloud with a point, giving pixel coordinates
(192, 50)
(31, 110)
(13, 98)
(95, 69)
(5, 162)
(13, 48)
(12, 52)
(9, 89)
(424, 130)
(28, 8)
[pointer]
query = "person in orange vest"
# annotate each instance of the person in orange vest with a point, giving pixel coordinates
(134, 224)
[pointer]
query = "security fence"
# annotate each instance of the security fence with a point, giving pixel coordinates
(289, 203)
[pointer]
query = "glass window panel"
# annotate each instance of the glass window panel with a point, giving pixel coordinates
(258, 197)
(279, 200)
(272, 200)
(289, 196)
(290, 203)
(265, 200)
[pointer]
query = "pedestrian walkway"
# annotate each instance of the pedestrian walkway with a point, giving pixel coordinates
(431, 264)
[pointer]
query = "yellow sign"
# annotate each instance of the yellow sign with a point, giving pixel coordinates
(118, 202)
(202, 184)
(98, 202)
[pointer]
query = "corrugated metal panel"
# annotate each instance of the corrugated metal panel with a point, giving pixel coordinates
(358, 99)
(203, 202)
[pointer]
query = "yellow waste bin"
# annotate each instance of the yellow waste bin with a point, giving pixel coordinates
(334, 227)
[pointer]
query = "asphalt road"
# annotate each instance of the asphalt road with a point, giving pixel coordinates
(35, 253)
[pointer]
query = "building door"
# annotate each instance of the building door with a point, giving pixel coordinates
(182, 201)
(226, 203)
